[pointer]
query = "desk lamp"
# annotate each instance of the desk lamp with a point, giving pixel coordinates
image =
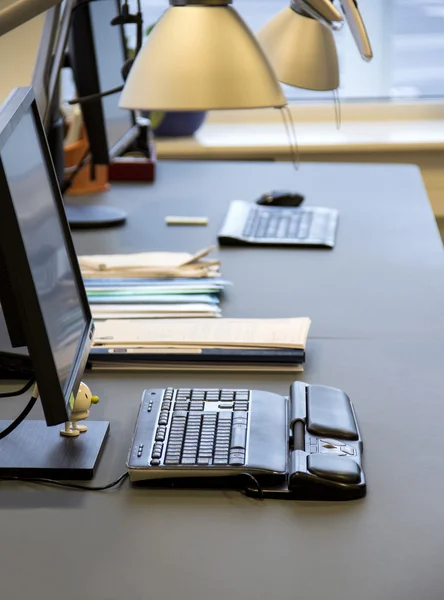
(20, 12)
(201, 56)
(300, 45)
(301, 48)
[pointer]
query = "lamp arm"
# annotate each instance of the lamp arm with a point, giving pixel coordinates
(21, 11)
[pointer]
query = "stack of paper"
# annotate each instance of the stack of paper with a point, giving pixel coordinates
(152, 285)
(224, 344)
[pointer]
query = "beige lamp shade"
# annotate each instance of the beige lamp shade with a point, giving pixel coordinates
(302, 51)
(201, 58)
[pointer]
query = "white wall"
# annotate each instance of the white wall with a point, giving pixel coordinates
(18, 52)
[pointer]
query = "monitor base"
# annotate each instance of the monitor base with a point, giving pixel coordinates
(35, 450)
(94, 216)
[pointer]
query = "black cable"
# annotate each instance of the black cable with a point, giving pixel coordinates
(10, 428)
(256, 493)
(19, 392)
(73, 486)
(92, 97)
(68, 182)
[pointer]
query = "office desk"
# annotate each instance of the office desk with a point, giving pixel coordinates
(380, 280)
(140, 544)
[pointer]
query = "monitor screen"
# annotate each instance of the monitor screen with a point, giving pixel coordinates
(56, 314)
(45, 245)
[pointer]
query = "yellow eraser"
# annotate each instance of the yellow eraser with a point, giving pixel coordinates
(173, 220)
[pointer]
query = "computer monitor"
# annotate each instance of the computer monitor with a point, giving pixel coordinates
(111, 53)
(68, 29)
(41, 287)
(97, 52)
(51, 58)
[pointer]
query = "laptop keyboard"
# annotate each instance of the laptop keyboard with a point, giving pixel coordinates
(277, 224)
(202, 427)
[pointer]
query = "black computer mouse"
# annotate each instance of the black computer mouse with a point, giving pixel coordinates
(280, 198)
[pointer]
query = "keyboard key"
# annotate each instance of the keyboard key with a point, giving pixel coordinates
(239, 436)
(203, 461)
(220, 461)
(180, 414)
(249, 225)
(155, 462)
(272, 226)
(237, 452)
(163, 419)
(160, 435)
(187, 461)
(236, 461)
(226, 405)
(172, 461)
(239, 416)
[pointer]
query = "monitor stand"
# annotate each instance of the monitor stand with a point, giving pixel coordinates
(93, 216)
(36, 450)
(80, 216)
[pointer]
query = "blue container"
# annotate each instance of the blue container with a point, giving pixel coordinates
(178, 123)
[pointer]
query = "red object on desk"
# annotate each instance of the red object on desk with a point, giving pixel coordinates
(133, 168)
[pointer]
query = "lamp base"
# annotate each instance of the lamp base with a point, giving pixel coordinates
(85, 216)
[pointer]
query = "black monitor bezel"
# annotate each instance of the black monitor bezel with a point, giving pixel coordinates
(55, 400)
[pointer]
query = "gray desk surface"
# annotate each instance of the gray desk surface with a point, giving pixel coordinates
(379, 281)
(197, 545)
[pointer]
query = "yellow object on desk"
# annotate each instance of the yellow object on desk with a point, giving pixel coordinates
(150, 264)
(201, 333)
(171, 220)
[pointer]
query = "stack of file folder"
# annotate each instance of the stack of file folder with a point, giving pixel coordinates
(152, 285)
(199, 344)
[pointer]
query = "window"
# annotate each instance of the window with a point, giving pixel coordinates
(408, 44)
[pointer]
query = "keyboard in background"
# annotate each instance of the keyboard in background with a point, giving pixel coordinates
(248, 223)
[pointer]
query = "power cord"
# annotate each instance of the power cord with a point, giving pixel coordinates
(19, 392)
(22, 416)
(73, 486)
(257, 492)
